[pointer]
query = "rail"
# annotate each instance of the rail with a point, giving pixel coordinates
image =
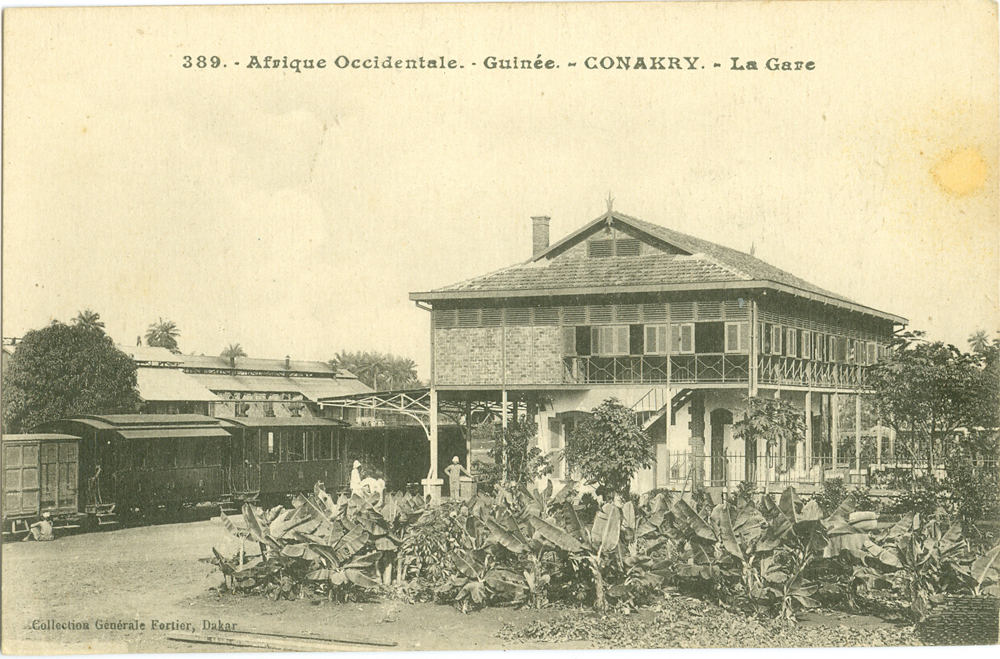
(649, 369)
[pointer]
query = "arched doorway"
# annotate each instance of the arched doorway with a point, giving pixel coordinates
(719, 418)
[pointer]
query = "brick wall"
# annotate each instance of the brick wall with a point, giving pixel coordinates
(468, 355)
(473, 356)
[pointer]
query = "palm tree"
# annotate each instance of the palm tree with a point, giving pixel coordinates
(163, 334)
(979, 341)
(90, 320)
(381, 372)
(233, 350)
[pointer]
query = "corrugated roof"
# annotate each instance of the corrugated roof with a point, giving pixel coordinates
(311, 388)
(167, 384)
(38, 436)
(122, 420)
(167, 432)
(253, 364)
(148, 354)
(282, 421)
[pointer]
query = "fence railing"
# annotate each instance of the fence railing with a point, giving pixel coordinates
(730, 469)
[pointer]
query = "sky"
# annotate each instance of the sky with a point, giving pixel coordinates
(293, 213)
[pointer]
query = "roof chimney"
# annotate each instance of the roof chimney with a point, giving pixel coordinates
(539, 234)
(288, 364)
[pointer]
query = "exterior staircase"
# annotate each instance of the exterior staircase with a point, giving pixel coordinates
(653, 406)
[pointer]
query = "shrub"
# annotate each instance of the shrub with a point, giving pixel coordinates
(609, 448)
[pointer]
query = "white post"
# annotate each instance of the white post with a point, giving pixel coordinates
(857, 434)
(834, 426)
(432, 484)
(807, 451)
(878, 441)
(434, 433)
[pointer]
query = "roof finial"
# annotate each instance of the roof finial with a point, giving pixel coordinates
(610, 201)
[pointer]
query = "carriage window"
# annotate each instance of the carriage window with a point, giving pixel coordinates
(324, 445)
(294, 448)
(199, 454)
(271, 452)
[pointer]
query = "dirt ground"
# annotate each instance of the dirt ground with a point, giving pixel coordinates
(152, 576)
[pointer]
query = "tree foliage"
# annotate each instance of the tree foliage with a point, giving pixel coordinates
(772, 421)
(232, 351)
(516, 457)
(608, 448)
(89, 319)
(928, 390)
(380, 371)
(163, 334)
(66, 370)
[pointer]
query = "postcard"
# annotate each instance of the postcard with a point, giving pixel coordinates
(526, 326)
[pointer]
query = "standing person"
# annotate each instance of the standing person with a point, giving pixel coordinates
(454, 472)
(356, 478)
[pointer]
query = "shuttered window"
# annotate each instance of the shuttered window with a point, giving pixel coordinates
(569, 341)
(791, 343)
(656, 340)
(610, 340)
(776, 334)
(737, 337)
(806, 344)
(682, 338)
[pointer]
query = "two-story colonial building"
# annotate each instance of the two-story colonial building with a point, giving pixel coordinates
(679, 328)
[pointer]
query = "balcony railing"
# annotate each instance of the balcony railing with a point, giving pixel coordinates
(646, 369)
(722, 368)
(793, 371)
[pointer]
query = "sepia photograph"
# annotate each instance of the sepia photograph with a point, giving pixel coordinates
(549, 326)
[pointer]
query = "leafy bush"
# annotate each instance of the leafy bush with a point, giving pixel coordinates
(973, 490)
(608, 448)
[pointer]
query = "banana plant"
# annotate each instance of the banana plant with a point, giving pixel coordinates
(932, 561)
(481, 580)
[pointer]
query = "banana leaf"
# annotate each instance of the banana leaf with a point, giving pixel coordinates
(686, 514)
(555, 535)
(607, 529)
(506, 538)
(729, 541)
(987, 567)
(467, 564)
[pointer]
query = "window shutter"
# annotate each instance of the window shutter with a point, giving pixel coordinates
(569, 340)
(687, 338)
(744, 337)
(806, 344)
(872, 353)
(621, 340)
(651, 336)
(732, 337)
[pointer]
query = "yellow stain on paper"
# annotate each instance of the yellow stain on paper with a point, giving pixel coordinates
(961, 172)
